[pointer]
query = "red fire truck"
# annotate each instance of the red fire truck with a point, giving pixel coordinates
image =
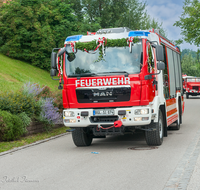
(192, 86)
(184, 82)
(116, 81)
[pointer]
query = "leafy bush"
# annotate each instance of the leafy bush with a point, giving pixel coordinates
(25, 120)
(11, 126)
(46, 92)
(37, 92)
(33, 101)
(58, 101)
(17, 102)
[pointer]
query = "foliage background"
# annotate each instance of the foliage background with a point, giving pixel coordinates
(189, 23)
(30, 29)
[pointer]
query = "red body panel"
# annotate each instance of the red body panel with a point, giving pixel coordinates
(193, 87)
(142, 91)
(70, 90)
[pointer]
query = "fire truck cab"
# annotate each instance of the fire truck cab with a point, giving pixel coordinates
(116, 81)
(192, 86)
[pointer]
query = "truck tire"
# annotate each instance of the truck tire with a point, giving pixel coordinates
(187, 95)
(178, 121)
(82, 137)
(155, 138)
(177, 125)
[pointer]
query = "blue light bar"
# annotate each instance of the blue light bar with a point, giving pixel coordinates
(138, 33)
(73, 38)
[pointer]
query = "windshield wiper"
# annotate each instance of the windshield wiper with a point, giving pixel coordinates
(83, 75)
(126, 73)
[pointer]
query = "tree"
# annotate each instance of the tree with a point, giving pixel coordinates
(120, 13)
(189, 63)
(189, 22)
(31, 28)
(149, 23)
(77, 8)
(127, 13)
(190, 52)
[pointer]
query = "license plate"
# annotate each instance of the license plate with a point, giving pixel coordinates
(103, 112)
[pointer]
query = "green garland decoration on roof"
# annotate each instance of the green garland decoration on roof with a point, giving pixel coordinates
(89, 46)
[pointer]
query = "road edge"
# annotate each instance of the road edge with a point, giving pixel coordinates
(33, 144)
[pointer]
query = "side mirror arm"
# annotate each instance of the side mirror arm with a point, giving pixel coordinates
(147, 77)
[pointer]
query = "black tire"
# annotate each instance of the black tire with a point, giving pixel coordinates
(187, 95)
(155, 138)
(177, 125)
(82, 136)
(178, 121)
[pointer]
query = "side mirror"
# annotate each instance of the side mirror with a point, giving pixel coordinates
(53, 60)
(159, 53)
(53, 72)
(161, 66)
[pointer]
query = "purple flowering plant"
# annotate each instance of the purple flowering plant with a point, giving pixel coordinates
(49, 114)
(32, 89)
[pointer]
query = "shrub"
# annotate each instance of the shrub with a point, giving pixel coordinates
(32, 90)
(49, 114)
(18, 102)
(11, 126)
(58, 101)
(45, 93)
(57, 97)
(25, 120)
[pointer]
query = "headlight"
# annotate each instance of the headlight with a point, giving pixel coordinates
(69, 114)
(141, 111)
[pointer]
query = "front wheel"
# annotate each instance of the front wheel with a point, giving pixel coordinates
(155, 138)
(187, 95)
(82, 136)
(178, 121)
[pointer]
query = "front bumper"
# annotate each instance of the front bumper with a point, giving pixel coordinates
(193, 93)
(128, 119)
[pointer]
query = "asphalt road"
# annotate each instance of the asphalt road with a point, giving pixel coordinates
(121, 162)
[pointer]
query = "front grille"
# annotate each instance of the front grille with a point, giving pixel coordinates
(109, 94)
(195, 88)
(105, 119)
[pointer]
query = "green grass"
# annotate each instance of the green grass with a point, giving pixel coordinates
(5, 146)
(14, 73)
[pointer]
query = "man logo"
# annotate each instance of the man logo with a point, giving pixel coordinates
(95, 94)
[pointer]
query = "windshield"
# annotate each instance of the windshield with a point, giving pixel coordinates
(193, 80)
(115, 60)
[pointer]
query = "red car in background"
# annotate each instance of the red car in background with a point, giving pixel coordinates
(192, 86)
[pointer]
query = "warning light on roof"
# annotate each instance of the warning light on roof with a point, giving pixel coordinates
(138, 33)
(73, 38)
